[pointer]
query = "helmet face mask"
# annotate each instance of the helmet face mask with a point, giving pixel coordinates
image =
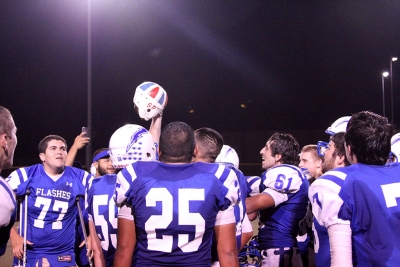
(322, 147)
(129, 144)
(150, 100)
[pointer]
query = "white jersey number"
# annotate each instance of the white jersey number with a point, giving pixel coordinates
(99, 220)
(44, 204)
(391, 192)
(185, 218)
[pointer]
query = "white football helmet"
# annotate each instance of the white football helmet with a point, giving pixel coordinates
(131, 143)
(228, 155)
(395, 148)
(338, 126)
(150, 100)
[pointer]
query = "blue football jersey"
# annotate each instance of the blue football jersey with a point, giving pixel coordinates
(371, 203)
(103, 211)
(175, 208)
(279, 225)
(326, 202)
(52, 209)
(7, 213)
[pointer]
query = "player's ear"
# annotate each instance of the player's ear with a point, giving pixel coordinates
(340, 160)
(278, 157)
(195, 151)
(349, 154)
(319, 163)
(3, 142)
(41, 156)
(96, 164)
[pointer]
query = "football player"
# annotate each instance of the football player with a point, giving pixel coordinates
(323, 193)
(209, 146)
(369, 193)
(127, 145)
(244, 230)
(8, 142)
(52, 190)
(177, 207)
(282, 202)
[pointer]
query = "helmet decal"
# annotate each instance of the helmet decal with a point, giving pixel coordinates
(135, 137)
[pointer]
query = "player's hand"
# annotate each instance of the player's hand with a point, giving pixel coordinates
(89, 250)
(17, 243)
(80, 141)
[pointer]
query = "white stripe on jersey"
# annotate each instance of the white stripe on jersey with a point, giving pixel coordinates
(338, 174)
(24, 174)
(254, 182)
(123, 184)
(14, 179)
(325, 183)
(231, 182)
(87, 180)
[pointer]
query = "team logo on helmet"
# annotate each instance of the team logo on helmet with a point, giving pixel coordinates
(135, 137)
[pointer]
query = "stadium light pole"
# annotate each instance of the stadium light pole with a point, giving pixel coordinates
(384, 75)
(89, 86)
(391, 84)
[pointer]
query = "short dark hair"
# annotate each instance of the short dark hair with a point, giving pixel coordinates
(45, 141)
(340, 151)
(286, 145)
(368, 135)
(177, 143)
(209, 141)
(6, 121)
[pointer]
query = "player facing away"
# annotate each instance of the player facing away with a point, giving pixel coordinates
(177, 205)
(282, 202)
(209, 145)
(52, 190)
(128, 144)
(370, 194)
(8, 142)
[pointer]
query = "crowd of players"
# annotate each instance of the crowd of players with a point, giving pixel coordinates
(176, 197)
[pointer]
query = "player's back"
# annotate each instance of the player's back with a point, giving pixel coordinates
(175, 208)
(370, 194)
(279, 225)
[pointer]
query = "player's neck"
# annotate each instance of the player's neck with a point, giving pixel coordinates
(53, 171)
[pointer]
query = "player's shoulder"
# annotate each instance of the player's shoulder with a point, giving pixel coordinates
(75, 171)
(143, 166)
(285, 169)
(24, 173)
(108, 179)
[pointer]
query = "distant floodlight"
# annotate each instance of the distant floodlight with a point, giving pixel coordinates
(394, 58)
(243, 105)
(385, 74)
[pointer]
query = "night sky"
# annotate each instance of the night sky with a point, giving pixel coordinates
(294, 64)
